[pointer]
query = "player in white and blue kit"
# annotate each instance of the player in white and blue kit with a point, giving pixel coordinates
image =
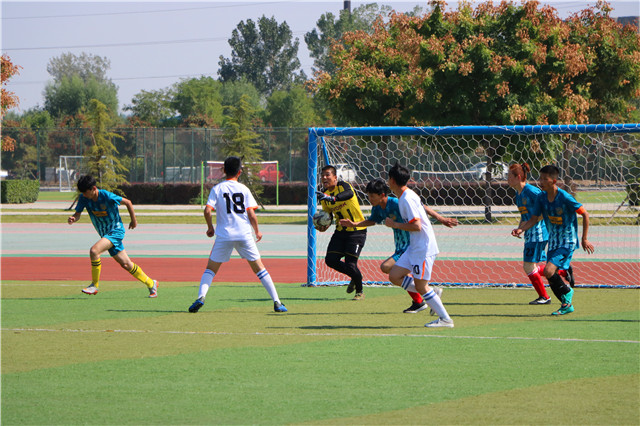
(536, 238)
(559, 210)
(235, 219)
(384, 206)
(102, 206)
(418, 259)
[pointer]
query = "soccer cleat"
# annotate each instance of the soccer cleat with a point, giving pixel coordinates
(153, 291)
(416, 307)
(438, 291)
(567, 298)
(570, 278)
(358, 296)
(540, 301)
(440, 322)
(91, 289)
(564, 309)
(351, 287)
(195, 306)
(279, 307)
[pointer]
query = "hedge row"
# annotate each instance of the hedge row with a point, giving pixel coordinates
(461, 194)
(19, 191)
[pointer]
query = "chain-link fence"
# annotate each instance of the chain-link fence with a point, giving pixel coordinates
(164, 155)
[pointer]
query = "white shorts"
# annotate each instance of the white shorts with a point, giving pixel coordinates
(221, 251)
(420, 267)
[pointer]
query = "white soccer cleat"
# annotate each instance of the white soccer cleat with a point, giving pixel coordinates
(91, 289)
(153, 291)
(440, 322)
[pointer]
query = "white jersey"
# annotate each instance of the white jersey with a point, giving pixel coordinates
(231, 200)
(411, 208)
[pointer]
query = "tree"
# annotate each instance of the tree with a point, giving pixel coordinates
(241, 141)
(501, 64)
(77, 80)
(103, 163)
(292, 108)
(330, 31)
(198, 101)
(8, 99)
(263, 54)
(151, 107)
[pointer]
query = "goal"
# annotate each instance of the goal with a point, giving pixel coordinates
(70, 168)
(461, 172)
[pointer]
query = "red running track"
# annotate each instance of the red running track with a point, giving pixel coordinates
(292, 270)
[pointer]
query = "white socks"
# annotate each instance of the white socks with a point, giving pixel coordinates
(266, 281)
(205, 282)
(435, 303)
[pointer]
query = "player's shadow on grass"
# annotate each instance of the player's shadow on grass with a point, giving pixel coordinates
(454, 316)
(350, 327)
(484, 304)
(165, 311)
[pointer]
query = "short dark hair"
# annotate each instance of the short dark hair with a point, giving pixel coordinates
(400, 174)
(232, 166)
(86, 182)
(551, 170)
(329, 167)
(377, 186)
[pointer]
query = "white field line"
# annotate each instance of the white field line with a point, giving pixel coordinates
(260, 333)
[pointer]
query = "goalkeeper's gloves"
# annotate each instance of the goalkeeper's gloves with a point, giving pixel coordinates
(324, 197)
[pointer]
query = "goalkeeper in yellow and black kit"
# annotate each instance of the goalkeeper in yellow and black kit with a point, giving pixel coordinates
(339, 199)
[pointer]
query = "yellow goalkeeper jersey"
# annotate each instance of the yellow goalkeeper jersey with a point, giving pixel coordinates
(346, 209)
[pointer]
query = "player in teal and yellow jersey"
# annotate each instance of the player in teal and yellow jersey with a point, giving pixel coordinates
(102, 206)
(559, 209)
(340, 200)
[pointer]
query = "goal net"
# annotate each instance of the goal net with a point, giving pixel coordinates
(70, 168)
(461, 172)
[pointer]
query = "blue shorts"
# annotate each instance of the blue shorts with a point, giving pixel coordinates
(561, 257)
(116, 236)
(535, 252)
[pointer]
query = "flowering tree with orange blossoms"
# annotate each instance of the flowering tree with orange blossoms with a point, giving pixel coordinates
(495, 64)
(8, 99)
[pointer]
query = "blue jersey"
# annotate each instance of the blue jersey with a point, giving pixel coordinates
(104, 212)
(378, 214)
(562, 221)
(525, 200)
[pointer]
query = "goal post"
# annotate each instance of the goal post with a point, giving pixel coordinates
(461, 171)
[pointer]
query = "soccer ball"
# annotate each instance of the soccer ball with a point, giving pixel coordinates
(322, 219)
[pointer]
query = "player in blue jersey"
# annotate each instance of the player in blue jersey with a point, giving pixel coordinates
(102, 206)
(384, 206)
(536, 238)
(559, 210)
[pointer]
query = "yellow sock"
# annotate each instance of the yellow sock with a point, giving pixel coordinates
(137, 272)
(96, 267)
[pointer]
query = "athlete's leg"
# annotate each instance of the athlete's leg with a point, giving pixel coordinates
(386, 268)
(123, 259)
(95, 251)
(533, 272)
(431, 298)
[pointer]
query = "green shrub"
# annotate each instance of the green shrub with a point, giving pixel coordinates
(633, 192)
(19, 191)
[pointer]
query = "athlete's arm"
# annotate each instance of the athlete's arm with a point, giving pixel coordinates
(132, 213)
(346, 194)
(253, 219)
(348, 223)
(449, 222)
(208, 214)
(412, 226)
(72, 219)
(525, 226)
(586, 245)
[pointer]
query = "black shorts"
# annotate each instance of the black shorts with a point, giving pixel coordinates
(347, 243)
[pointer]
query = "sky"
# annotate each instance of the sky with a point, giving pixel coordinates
(153, 44)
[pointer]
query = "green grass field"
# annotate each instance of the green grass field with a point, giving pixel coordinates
(121, 358)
